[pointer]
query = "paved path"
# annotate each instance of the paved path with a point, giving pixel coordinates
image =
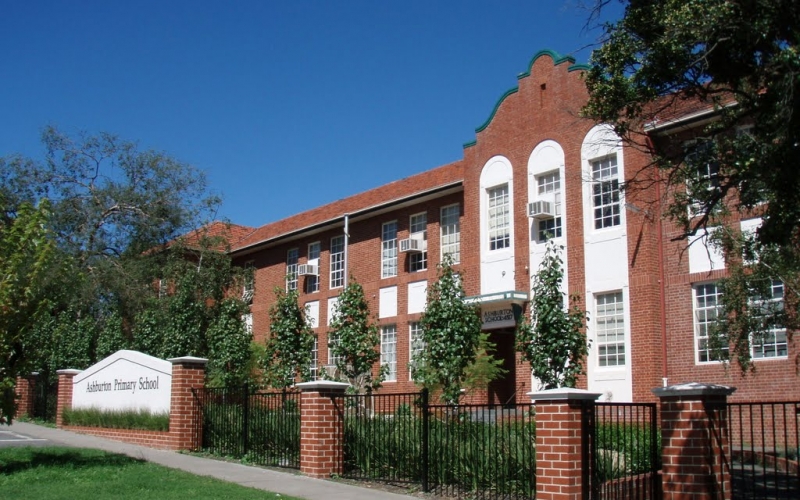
(254, 477)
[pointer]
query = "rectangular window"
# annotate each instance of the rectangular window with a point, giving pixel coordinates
(337, 262)
(774, 343)
(312, 282)
(389, 249)
(499, 218)
(415, 344)
(605, 192)
(332, 358)
(291, 269)
(314, 366)
(704, 177)
(389, 351)
(451, 232)
(418, 227)
(706, 309)
(549, 189)
(610, 318)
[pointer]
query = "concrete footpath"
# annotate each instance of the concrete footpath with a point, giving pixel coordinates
(263, 479)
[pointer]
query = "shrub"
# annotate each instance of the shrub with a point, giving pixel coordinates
(117, 419)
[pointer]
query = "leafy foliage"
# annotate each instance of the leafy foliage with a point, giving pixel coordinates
(229, 342)
(287, 356)
(354, 340)
(113, 232)
(665, 59)
(553, 341)
(451, 337)
(117, 419)
(26, 258)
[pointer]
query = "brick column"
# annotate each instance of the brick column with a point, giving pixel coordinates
(185, 430)
(694, 437)
(25, 389)
(64, 393)
(321, 428)
(560, 442)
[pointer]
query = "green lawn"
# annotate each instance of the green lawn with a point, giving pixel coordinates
(76, 474)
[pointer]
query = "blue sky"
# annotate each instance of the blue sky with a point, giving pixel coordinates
(286, 105)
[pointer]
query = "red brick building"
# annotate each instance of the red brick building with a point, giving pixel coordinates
(536, 169)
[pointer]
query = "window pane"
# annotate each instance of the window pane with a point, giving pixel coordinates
(610, 329)
(389, 249)
(451, 232)
(499, 218)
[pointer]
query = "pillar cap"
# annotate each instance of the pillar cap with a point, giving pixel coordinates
(316, 385)
(564, 394)
(693, 389)
(188, 360)
(68, 371)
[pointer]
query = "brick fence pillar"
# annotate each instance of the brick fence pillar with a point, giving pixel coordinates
(560, 442)
(26, 394)
(64, 393)
(321, 428)
(694, 437)
(185, 431)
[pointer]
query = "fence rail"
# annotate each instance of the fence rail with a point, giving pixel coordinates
(624, 452)
(477, 451)
(764, 441)
(243, 422)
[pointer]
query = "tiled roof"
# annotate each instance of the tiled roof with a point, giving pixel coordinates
(397, 190)
(228, 232)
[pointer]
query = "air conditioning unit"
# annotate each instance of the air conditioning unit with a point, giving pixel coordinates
(541, 210)
(307, 270)
(413, 245)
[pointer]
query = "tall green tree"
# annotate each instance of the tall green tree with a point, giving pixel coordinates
(354, 341)
(26, 260)
(740, 59)
(287, 356)
(553, 341)
(451, 337)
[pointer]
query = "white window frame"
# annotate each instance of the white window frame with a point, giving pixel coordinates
(776, 345)
(313, 367)
(705, 309)
(606, 183)
(498, 216)
(314, 251)
(450, 232)
(389, 249)
(337, 262)
(418, 229)
(389, 351)
(548, 183)
(292, 258)
(609, 314)
(415, 344)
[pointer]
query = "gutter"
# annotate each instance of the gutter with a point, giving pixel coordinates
(336, 221)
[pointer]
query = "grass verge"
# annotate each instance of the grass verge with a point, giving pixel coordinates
(55, 473)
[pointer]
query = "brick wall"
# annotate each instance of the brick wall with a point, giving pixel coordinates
(25, 390)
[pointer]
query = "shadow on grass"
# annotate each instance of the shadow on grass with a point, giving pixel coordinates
(30, 458)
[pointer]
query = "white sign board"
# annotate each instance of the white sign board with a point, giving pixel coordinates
(126, 380)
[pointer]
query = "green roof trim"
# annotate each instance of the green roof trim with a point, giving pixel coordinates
(555, 56)
(470, 144)
(496, 106)
(579, 67)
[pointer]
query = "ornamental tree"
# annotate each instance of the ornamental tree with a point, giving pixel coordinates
(553, 341)
(451, 337)
(354, 340)
(287, 356)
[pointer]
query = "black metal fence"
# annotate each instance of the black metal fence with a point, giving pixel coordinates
(624, 454)
(764, 441)
(475, 451)
(243, 422)
(45, 399)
